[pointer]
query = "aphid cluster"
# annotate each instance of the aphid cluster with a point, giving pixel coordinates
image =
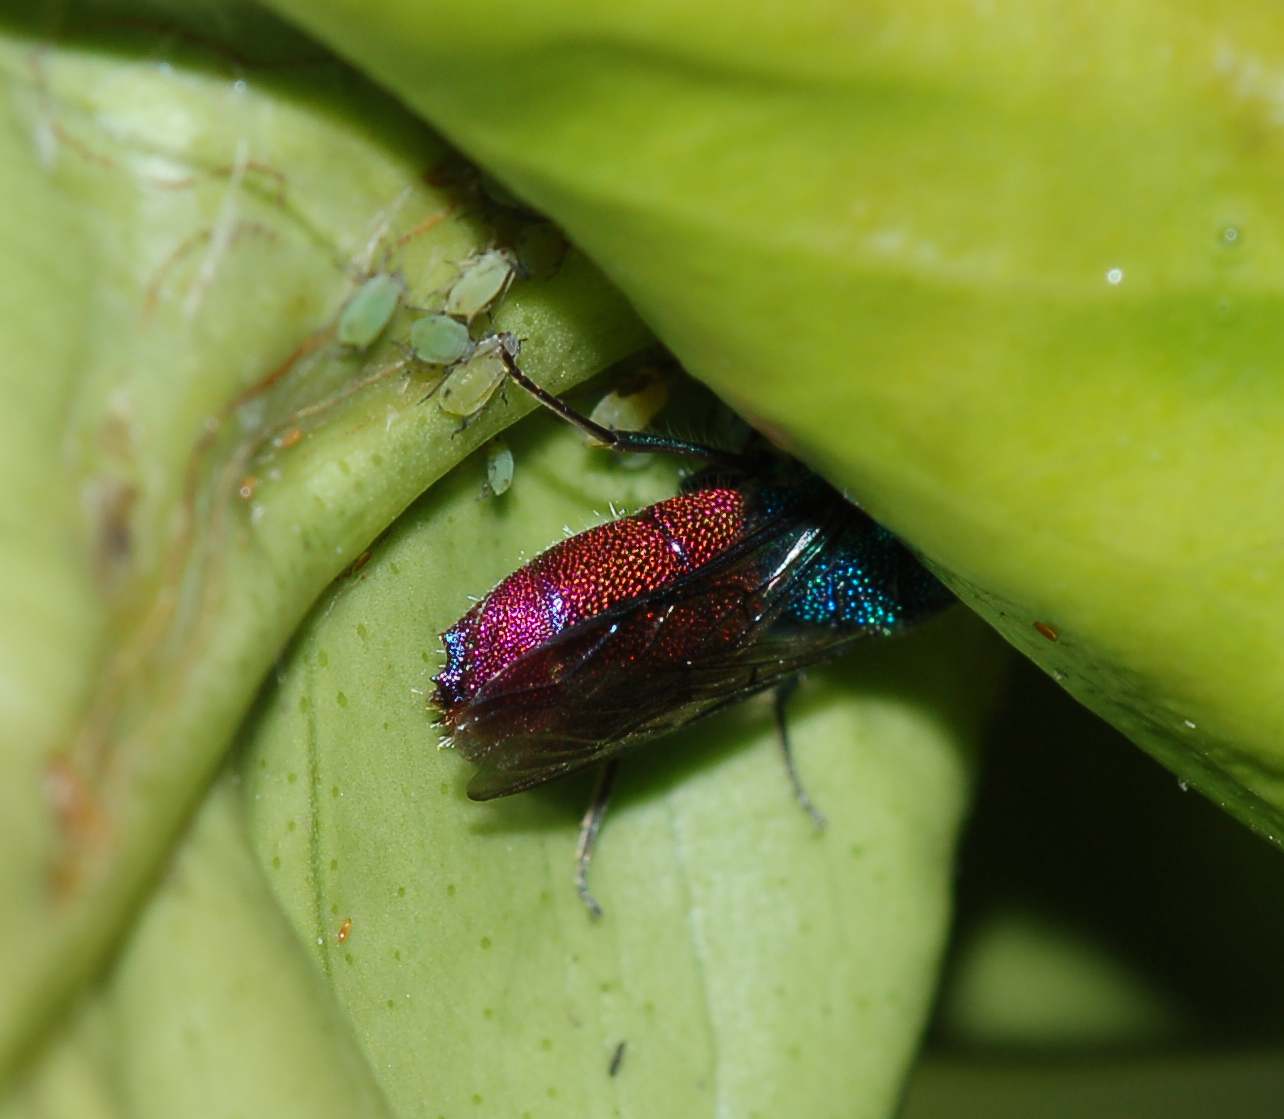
(443, 339)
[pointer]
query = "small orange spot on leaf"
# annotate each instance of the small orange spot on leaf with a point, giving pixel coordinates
(1044, 629)
(418, 230)
(360, 562)
(81, 819)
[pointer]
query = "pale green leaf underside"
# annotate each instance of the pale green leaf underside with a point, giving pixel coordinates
(752, 967)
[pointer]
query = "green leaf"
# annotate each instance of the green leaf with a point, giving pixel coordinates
(192, 456)
(1009, 274)
(750, 966)
(211, 1008)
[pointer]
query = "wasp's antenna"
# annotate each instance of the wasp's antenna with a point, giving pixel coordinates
(623, 442)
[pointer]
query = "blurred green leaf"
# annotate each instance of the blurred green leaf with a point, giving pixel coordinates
(192, 457)
(1146, 1086)
(1102, 907)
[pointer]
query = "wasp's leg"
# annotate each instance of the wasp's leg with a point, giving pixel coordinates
(783, 692)
(590, 825)
(625, 442)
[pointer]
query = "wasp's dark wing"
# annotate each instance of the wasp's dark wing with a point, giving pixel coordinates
(649, 666)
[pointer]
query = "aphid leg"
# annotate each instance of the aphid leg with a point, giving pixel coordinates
(625, 442)
(590, 825)
(783, 692)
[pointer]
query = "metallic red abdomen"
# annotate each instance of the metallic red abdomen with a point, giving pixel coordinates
(580, 578)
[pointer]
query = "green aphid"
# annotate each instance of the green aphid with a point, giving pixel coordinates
(439, 339)
(369, 310)
(474, 381)
(483, 280)
(499, 467)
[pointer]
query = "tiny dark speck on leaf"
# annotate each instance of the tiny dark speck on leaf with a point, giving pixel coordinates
(485, 942)
(617, 1059)
(115, 500)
